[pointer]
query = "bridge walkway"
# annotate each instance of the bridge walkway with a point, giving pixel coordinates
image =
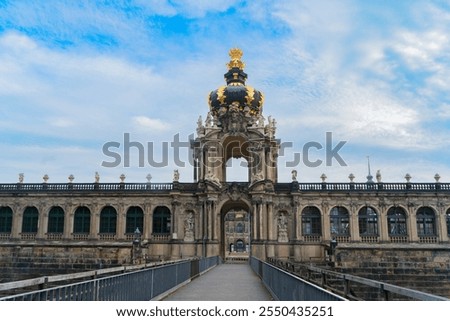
(225, 282)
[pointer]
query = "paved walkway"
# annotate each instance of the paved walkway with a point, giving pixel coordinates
(226, 282)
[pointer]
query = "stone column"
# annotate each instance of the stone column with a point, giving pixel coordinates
(270, 221)
(95, 222)
(412, 224)
(42, 222)
(326, 223)
(441, 224)
(120, 229)
(354, 224)
(174, 217)
(383, 224)
(295, 220)
(68, 221)
(17, 221)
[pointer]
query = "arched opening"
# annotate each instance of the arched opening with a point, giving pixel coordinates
(237, 170)
(108, 220)
(311, 222)
(396, 221)
(161, 221)
(339, 221)
(6, 215)
(236, 155)
(426, 221)
(30, 220)
(135, 219)
(235, 234)
(368, 221)
(55, 220)
(82, 220)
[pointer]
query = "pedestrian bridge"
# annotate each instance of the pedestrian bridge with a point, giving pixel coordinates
(199, 279)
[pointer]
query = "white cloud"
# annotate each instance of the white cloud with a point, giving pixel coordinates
(148, 124)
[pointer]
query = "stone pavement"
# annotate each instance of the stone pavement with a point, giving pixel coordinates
(225, 282)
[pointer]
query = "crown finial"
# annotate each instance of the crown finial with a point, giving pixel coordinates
(235, 62)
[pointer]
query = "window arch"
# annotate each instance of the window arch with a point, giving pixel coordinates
(135, 219)
(82, 220)
(239, 228)
(311, 221)
(448, 222)
(368, 221)
(396, 216)
(6, 215)
(108, 220)
(339, 221)
(426, 221)
(55, 220)
(30, 220)
(161, 220)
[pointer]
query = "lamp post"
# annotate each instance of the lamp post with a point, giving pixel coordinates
(136, 249)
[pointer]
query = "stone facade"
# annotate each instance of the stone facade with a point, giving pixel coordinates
(119, 223)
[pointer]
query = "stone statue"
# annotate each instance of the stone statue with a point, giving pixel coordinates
(378, 176)
(97, 177)
(211, 177)
(21, 176)
(208, 120)
(176, 175)
(189, 228)
(294, 175)
(282, 228)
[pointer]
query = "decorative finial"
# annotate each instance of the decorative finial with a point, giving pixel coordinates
(323, 177)
(369, 176)
(45, 178)
(71, 178)
(408, 177)
(351, 177)
(97, 177)
(235, 62)
(149, 178)
(21, 176)
(122, 178)
(437, 177)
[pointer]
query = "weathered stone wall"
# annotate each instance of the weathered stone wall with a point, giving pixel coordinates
(26, 261)
(424, 268)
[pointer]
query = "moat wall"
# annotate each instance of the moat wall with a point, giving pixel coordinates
(424, 268)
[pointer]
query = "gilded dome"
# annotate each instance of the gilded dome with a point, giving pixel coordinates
(236, 91)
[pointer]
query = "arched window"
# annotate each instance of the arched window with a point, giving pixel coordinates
(82, 220)
(339, 221)
(426, 221)
(396, 216)
(135, 219)
(30, 220)
(239, 228)
(6, 215)
(161, 220)
(55, 220)
(108, 220)
(368, 221)
(311, 221)
(448, 222)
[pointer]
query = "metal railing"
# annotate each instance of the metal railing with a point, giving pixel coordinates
(137, 285)
(287, 287)
(346, 284)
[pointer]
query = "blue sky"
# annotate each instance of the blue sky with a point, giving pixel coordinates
(75, 75)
